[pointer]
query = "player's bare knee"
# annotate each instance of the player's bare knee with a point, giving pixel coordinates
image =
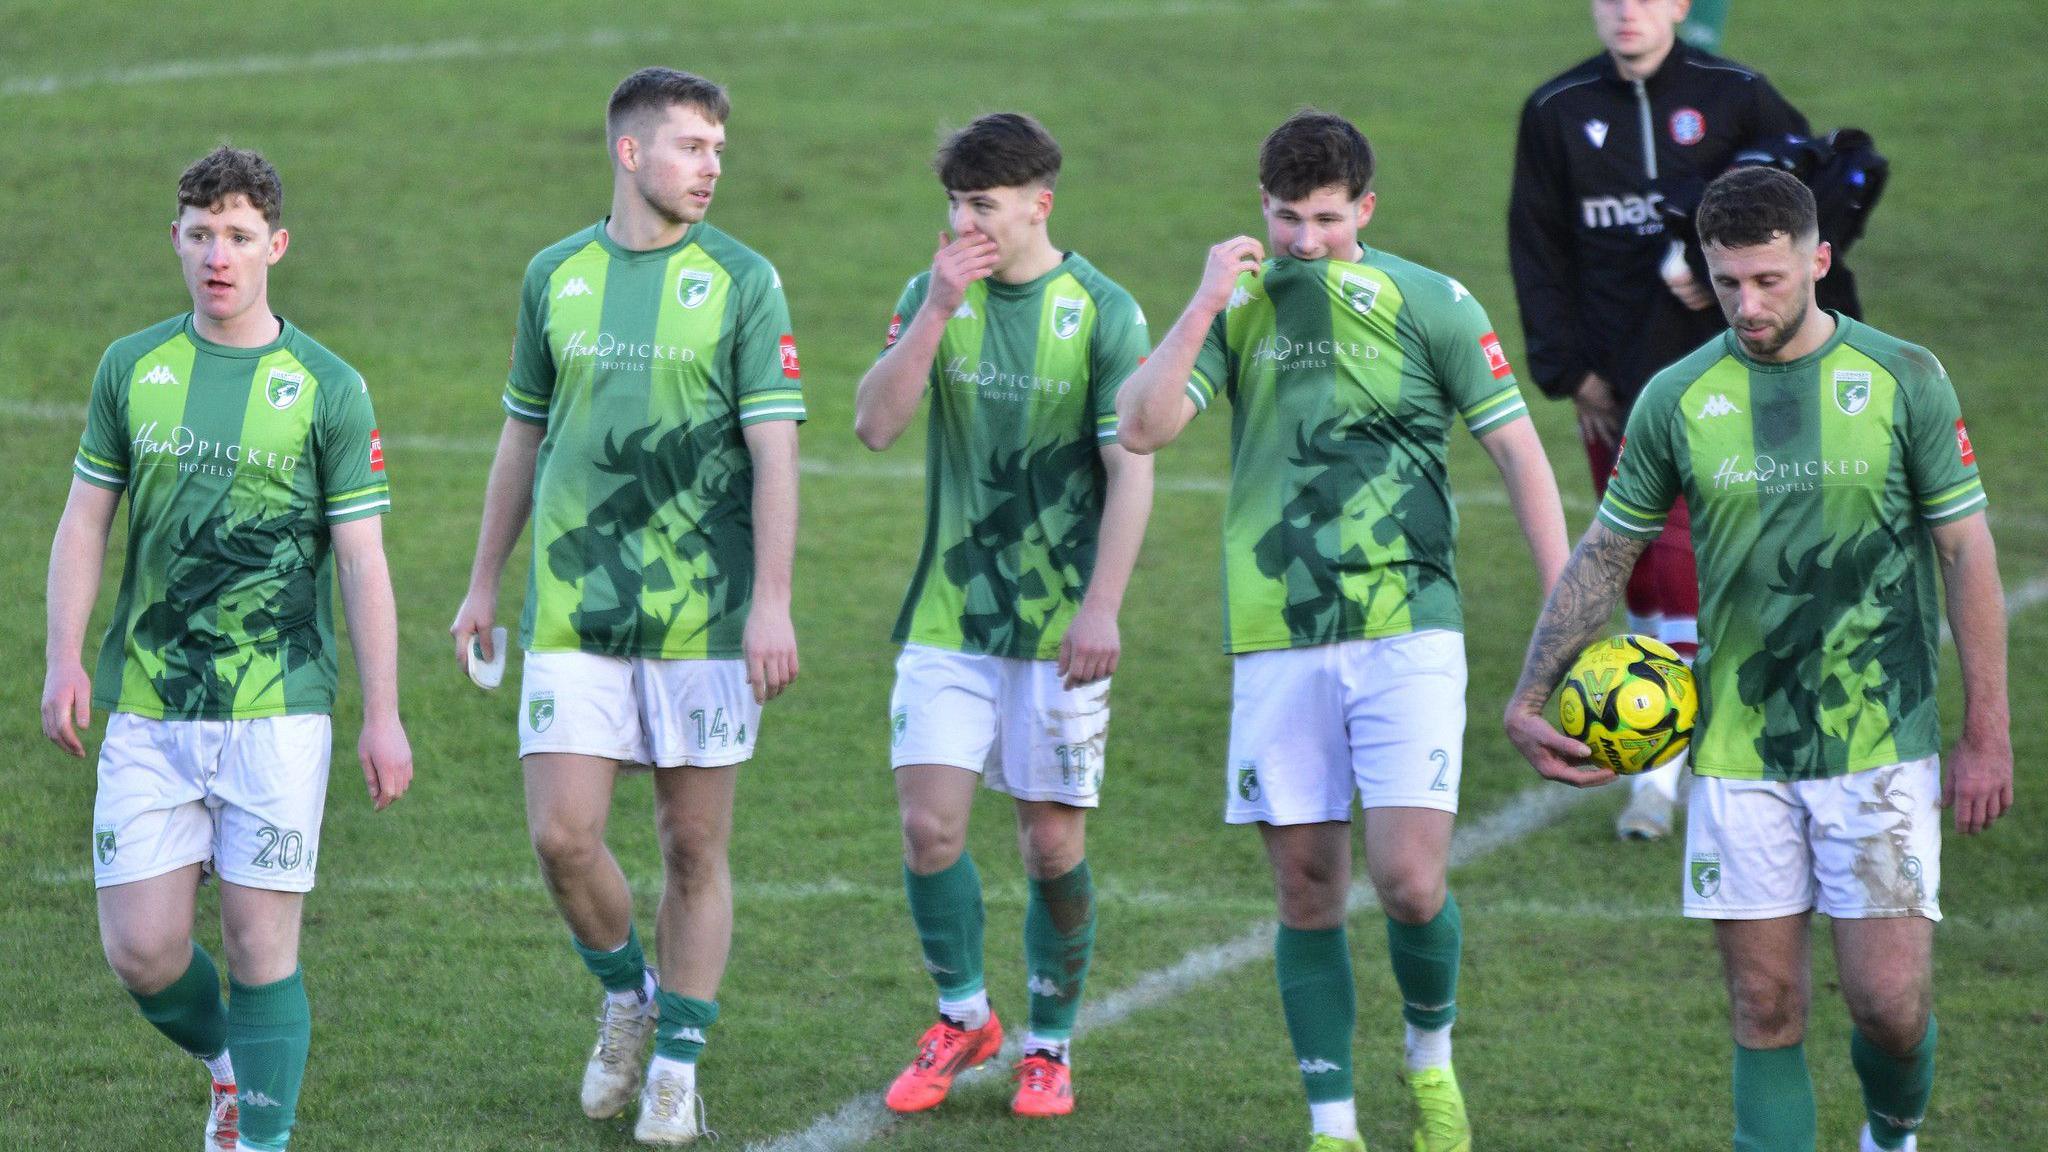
(1765, 1011)
(1411, 896)
(1892, 1015)
(1052, 845)
(930, 842)
(147, 964)
(1311, 893)
(693, 863)
(565, 848)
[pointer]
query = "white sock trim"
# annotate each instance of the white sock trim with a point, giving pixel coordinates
(1427, 1047)
(664, 1066)
(1337, 1118)
(972, 1011)
(220, 1067)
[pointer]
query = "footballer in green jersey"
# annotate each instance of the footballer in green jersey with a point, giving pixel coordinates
(1833, 486)
(1345, 368)
(1033, 517)
(249, 455)
(650, 432)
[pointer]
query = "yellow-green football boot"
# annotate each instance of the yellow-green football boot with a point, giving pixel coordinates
(1323, 1143)
(1441, 1107)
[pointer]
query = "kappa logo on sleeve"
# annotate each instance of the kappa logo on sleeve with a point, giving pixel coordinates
(376, 451)
(790, 367)
(1963, 448)
(1496, 360)
(895, 330)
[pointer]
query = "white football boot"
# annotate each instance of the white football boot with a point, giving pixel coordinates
(671, 1112)
(625, 1035)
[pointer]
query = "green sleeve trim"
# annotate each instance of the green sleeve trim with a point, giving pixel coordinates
(763, 415)
(1628, 521)
(370, 506)
(1481, 423)
(1943, 497)
(522, 412)
(1200, 391)
(354, 493)
(778, 396)
(1956, 509)
(1106, 426)
(97, 478)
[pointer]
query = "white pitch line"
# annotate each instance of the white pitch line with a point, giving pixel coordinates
(472, 48)
(864, 1118)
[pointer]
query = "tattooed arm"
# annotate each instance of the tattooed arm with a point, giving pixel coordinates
(1576, 613)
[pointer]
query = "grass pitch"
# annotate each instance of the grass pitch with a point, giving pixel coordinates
(429, 149)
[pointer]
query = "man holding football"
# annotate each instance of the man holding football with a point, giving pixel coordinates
(1836, 495)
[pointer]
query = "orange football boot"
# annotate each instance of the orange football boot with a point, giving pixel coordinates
(1045, 1087)
(943, 1052)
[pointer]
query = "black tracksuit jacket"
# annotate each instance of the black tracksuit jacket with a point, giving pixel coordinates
(1597, 161)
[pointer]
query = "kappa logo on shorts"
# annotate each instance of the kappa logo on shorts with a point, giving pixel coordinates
(899, 722)
(540, 711)
(1248, 780)
(103, 844)
(1705, 871)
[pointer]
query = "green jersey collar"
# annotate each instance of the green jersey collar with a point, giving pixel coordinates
(284, 335)
(619, 252)
(1734, 346)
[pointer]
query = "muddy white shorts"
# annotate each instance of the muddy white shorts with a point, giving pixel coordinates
(1857, 847)
(663, 713)
(1381, 718)
(1011, 720)
(244, 797)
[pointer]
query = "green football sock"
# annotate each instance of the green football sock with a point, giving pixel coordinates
(623, 969)
(1321, 1006)
(270, 1026)
(1774, 1109)
(684, 1021)
(1895, 1088)
(946, 907)
(1425, 959)
(190, 1011)
(1059, 937)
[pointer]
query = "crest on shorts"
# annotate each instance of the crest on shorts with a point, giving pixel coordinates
(283, 388)
(1066, 316)
(540, 711)
(1705, 872)
(1358, 292)
(693, 287)
(899, 720)
(1248, 780)
(103, 844)
(1852, 391)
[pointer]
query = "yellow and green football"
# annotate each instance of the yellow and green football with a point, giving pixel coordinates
(1631, 700)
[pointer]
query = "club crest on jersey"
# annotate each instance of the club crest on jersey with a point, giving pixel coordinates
(1852, 391)
(283, 388)
(693, 287)
(1358, 292)
(540, 711)
(1688, 127)
(1248, 780)
(1066, 316)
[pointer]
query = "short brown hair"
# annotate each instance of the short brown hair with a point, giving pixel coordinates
(656, 90)
(1748, 206)
(227, 171)
(1315, 150)
(999, 150)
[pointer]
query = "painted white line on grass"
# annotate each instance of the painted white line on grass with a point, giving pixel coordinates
(861, 1120)
(472, 48)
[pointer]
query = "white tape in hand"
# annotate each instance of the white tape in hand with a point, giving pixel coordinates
(487, 674)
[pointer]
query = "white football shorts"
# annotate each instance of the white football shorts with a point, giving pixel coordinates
(1009, 719)
(662, 713)
(1858, 847)
(244, 797)
(1382, 718)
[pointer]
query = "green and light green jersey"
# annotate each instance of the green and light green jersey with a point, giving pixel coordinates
(1812, 487)
(236, 462)
(644, 367)
(1343, 381)
(1023, 397)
